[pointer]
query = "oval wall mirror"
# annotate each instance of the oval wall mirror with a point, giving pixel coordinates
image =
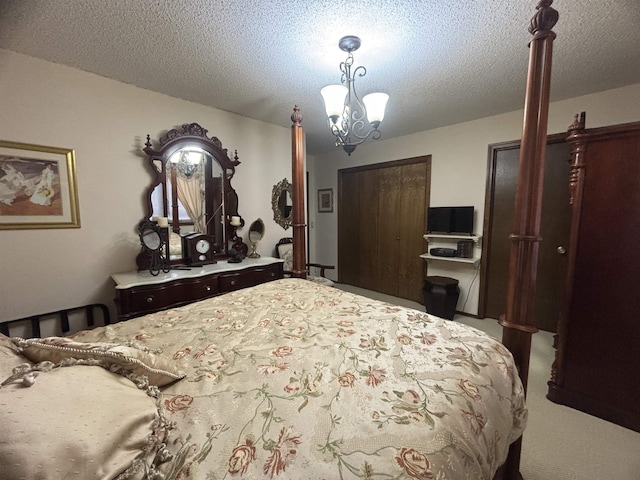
(282, 203)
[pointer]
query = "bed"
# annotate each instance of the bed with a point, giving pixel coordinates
(288, 379)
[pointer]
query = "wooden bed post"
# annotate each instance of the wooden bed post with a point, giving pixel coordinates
(518, 322)
(299, 269)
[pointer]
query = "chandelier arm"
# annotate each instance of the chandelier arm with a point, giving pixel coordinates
(360, 67)
(360, 113)
(342, 140)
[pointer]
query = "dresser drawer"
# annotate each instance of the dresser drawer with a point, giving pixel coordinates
(250, 277)
(151, 298)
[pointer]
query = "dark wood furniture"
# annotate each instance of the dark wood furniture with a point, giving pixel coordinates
(139, 293)
(599, 329)
(180, 158)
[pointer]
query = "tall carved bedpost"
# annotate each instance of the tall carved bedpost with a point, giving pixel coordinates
(297, 196)
(518, 319)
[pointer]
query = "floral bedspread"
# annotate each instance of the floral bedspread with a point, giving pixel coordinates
(294, 380)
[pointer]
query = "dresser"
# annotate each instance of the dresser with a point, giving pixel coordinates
(139, 293)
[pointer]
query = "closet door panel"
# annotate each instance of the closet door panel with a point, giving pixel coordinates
(348, 229)
(368, 244)
(388, 229)
(412, 215)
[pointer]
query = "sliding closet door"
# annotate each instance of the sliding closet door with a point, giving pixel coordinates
(381, 220)
(388, 261)
(414, 198)
(349, 228)
(367, 220)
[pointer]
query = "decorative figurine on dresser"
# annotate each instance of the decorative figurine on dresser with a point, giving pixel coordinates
(190, 248)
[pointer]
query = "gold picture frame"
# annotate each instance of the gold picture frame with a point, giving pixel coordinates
(38, 187)
(325, 200)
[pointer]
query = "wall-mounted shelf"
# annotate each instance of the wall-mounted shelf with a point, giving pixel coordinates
(444, 236)
(450, 238)
(474, 261)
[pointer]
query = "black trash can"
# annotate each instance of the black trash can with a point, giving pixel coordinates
(441, 296)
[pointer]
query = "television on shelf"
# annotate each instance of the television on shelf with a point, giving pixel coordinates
(450, 220)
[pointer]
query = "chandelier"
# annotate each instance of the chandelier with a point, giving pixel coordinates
(344, 108)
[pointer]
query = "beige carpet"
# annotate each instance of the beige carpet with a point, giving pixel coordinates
(560, 443)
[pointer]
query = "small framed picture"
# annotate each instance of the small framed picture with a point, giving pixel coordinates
(325, 200)
(37, 187)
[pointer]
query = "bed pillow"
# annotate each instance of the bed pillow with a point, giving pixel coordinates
(79, 422)
(10, 357)
(159, 370)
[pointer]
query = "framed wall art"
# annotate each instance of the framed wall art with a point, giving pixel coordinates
(325, 200)
(38, 187)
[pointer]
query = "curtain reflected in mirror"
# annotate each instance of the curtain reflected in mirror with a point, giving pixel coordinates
(188, 172)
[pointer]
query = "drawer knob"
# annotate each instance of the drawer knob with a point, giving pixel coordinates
(207, 288)
(233, 282)
(150, 299)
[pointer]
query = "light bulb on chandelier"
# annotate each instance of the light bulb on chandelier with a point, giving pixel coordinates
(344, 108)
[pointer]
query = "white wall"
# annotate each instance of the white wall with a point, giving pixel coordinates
(106, 123)
(458, 169)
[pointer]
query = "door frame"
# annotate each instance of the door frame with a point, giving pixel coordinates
(489, 207)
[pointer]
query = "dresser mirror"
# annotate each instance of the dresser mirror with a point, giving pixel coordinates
(191, 190)
(282, 203)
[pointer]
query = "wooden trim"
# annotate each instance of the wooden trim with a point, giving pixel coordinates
(297, 196)
(389, 164)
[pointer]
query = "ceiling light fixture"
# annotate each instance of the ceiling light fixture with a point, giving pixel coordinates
(344, 108)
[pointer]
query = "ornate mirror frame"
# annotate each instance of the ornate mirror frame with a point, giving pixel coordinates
(279, 203)
(154, 247)
(220, 199)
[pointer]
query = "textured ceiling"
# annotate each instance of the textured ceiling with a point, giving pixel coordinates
(441, 62)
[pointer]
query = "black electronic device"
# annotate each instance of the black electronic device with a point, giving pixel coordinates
(450, 220)
(465, 249)
(443, 252)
